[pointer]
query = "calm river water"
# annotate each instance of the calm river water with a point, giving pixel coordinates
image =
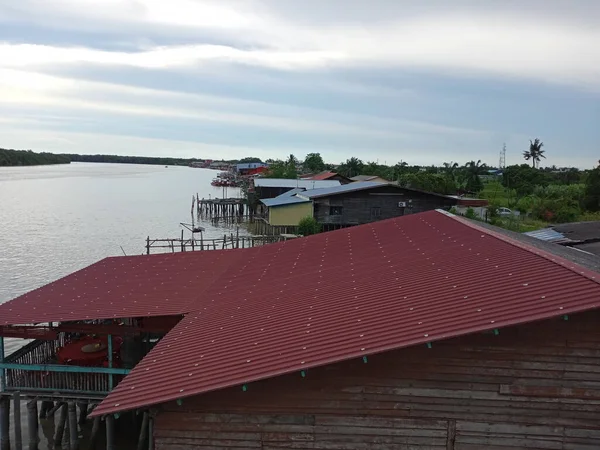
(58, 219)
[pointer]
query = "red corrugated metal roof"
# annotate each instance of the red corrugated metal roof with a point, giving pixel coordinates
(350, 293)
(124, 286)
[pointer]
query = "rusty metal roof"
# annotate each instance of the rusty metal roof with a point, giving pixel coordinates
(124, 286)
(351, 293)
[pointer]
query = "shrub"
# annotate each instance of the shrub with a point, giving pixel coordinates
(470, 214)
(308, 226)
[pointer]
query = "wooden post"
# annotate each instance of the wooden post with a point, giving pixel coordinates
(151, 433)
(2, 371)
(94, 434)
(62, 420)
(17, 419)
(73, 438)
(83, 411)
(182, 246)
(32, 424)
(4, 423)
(46, 409)
(143, 432)
(110, 432)
(110, 362)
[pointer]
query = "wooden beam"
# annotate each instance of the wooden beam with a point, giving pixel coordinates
(25, 332)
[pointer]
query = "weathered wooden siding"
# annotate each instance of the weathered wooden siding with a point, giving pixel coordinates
(532, 387)
(357, 207)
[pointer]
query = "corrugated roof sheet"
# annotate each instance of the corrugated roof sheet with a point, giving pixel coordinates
(549, 235)
(124, 286)
(285, 183)
(352, 187)
(291, 193)
(354, 292)
(364, 177)
(283, 201)
(323, 175)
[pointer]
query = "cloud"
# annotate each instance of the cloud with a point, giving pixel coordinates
(393, 79)
(25, 88)
(461, 42)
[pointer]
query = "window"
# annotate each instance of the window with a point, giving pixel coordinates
(335, 210)
(375, 212)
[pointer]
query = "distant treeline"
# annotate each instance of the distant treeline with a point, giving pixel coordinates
(29, 158)
(130, 159)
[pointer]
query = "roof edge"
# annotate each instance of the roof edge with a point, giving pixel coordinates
(559, 260)
(99, 411)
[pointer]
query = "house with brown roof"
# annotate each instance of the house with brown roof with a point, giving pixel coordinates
(328, 175)
(424, 331)
(373, 178)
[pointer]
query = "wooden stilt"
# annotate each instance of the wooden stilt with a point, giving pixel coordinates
(54, 409)
(46, 409)
(83, 412)
(151, 433)
(143, 432)
(5, 423)
(17, 419)
(110, 432)
(73, 432)
(60, 428)
(32, 424)
(94, 434)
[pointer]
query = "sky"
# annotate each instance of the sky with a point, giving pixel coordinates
(383, 80)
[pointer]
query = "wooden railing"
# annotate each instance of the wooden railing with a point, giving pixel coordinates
(33, 368)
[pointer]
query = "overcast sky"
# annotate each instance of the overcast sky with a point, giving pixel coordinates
(420, 81)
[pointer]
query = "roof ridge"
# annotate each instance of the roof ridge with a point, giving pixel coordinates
(558, 260)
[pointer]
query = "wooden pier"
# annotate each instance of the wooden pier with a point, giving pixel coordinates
(199, 244)
(223, 209)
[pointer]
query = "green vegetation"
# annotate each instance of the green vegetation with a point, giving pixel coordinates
(313, 163)
(283, 169)
(308, 226)
(29, 158)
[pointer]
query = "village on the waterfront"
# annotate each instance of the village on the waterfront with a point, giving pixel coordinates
(278, 335)
(285, 225)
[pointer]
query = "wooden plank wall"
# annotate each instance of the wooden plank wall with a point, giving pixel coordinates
(531, 387)
(357, 205)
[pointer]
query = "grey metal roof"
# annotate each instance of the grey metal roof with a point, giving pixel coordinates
(282, 201)
(352, 187)
(363, 177)
(580, 231)
(286, 183)
(548, 235)
(291, 193)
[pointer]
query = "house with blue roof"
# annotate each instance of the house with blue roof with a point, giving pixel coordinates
(351, 204)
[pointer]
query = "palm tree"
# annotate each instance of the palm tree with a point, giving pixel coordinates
(351, 167)
(472, 171)
(535, 152)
